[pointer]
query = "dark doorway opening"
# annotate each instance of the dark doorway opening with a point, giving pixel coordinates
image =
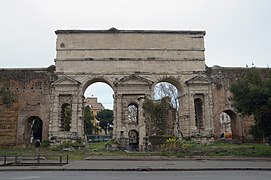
(33, 130)
(133, 140)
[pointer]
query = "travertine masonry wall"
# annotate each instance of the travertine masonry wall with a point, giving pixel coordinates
(132, 63)
(116, 51)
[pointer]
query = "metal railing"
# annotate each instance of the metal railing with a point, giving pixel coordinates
(37, 160)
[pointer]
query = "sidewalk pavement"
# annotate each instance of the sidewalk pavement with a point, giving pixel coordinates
(199, 164)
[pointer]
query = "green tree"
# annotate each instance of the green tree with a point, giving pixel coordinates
(106, 119)
(67, 117)
(88, 118)
(252, 96)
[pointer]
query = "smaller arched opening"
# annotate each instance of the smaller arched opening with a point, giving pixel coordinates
(133, 140)
(133, 113)
(66, 117)
(225, 126)
(229, 126)
(33, 130)
(198, 113)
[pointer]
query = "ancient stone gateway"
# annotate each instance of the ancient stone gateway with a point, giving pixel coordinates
(132, 63)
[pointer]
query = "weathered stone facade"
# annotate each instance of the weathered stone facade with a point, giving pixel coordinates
(31, 89)
(221, 78)
(132, 63)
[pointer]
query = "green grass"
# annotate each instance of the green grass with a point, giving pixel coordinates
(194, 150)
(97, 146)
(229, 149)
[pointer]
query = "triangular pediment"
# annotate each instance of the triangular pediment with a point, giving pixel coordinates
(133, 79)
(66, 81)
(198, 80)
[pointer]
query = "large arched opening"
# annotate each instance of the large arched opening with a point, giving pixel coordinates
(99, 100)
(33, 129)
(169, 90)
(168, 87)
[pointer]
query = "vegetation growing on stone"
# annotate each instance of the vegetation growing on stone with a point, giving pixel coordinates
(67, 118)
(7, 97)
(156, 113)
(252, 96)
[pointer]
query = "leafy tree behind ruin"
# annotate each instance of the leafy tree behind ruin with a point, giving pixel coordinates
(165, 89)
(67, 118)
(88, 118)
(252, 96)
(106, 119)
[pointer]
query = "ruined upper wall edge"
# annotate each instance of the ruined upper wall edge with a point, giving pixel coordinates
(113, 30)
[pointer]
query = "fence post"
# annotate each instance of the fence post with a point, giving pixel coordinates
(5, 160)
(38, 158)
(67, 159)
(60, 160)
(16, 158)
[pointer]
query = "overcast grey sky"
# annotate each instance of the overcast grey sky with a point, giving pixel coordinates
(238, 32)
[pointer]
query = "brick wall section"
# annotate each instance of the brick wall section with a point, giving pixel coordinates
(8, 124)
(31, 88)
(221, 78)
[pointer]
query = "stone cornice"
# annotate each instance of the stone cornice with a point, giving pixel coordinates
(114, 30)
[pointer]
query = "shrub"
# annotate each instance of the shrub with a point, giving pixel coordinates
(172, 145)
(45, 144)
(7, 97)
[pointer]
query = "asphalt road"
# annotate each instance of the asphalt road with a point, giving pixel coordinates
(171, 165)
(153, 175)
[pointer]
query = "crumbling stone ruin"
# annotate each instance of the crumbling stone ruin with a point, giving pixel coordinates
(131, 62)
(29, 100)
